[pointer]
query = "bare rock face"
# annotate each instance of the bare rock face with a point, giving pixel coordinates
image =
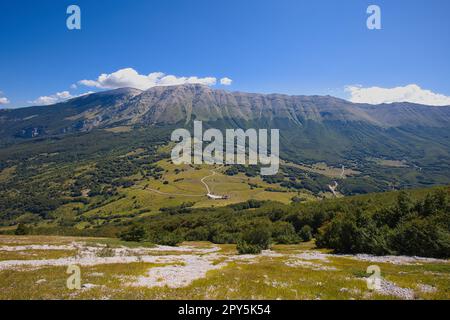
(183, 103)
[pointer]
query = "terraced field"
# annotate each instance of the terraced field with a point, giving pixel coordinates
(35, 267)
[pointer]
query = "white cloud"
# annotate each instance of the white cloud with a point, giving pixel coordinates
(410, 93)
(4, 100)
(226, 81)
(55, 98)
(52, 99)
(129, 77)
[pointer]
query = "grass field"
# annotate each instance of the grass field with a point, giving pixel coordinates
(35, 267)
(182, 183)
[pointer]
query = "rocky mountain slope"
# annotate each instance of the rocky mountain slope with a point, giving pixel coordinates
(181, 104)
(312, 128)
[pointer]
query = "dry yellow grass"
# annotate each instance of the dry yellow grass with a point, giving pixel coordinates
(272, 276)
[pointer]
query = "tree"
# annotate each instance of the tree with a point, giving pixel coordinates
(421, 237)
(404, 204)
(167, 238)
(245, 248)
(284, 233)
(254, 240)
(135, 233)
(198, 234)
(305, 233)
(21, 230)
(353, 232)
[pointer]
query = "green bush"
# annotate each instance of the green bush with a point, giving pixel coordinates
(423, 238)
(353, 232)
(246, 248)
(284, 233)
(255, 239)
(168, 239)
(135, 233)
(197, 234)
(407, 228)
(219, 233)
(21, 230)
(305, 233)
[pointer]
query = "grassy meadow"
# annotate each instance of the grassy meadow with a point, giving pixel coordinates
(285, 272)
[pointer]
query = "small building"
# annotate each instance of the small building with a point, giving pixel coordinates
(216, 197)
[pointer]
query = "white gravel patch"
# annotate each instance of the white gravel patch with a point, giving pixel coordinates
(177, 276)
(254, 257)
(37, 247)
(398, 260)
(91, 261)
(309, 265)
(354, 291)
(184, 264)
(184, 249)
(391, 289)
(194, 267)
(425, 288)
(88, 255)
(314, 255)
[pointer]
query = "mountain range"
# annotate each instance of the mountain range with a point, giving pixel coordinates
(312, 128)
(181, 104)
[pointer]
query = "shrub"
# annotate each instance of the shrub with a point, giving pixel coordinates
(21, 230)
(223, 238)
(284, 233)
(198, 234)
(298, 199)
(254, 240)
(106, 252)
(170, 240)
(422, 238)
(245, 248)
(353, 232)
(167, 238)
(421, 228)
(219, 234)
(135, 233)
(305, 233)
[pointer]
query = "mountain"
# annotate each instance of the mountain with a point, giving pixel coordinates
(180, 104)
(312, 128)
(73, 115)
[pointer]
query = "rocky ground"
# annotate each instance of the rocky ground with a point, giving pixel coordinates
(195, 265)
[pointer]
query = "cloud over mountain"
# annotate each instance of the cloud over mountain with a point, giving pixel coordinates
(55, 98)
(3, 99)
(52, 99)
(129, 77)
(410, 93)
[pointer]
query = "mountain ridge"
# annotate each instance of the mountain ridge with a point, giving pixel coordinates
(313, 129)
(183, 103)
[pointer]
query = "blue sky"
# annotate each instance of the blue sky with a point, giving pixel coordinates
(286, 46)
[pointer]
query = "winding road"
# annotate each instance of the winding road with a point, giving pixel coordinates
(208, 190)
(333, 188)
